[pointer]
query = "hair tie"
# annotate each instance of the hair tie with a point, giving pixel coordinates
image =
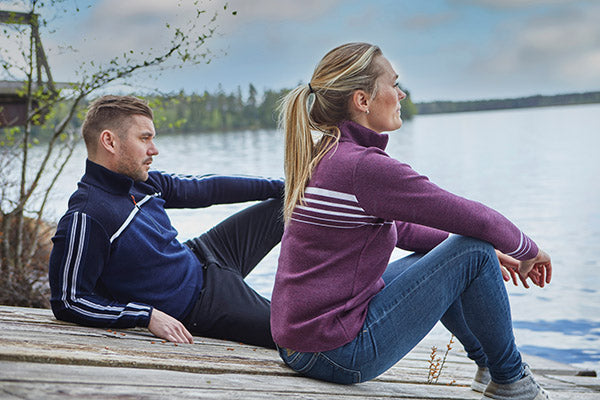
(310, 89)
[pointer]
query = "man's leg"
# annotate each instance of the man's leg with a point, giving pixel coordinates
(245, 238)
(227, 307)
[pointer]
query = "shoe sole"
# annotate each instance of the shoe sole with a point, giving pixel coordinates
(541, 395)
(478, 386)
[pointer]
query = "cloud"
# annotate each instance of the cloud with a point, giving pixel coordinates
(514, 4)
(140, 24)
(111, 28)
(278, 10)
(561, 46)
(583, 68)
(423, 22)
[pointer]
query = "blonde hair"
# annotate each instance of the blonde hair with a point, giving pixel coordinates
(342, 71)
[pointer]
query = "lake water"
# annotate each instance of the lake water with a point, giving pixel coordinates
(539, 167)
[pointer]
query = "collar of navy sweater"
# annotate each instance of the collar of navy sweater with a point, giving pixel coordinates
(356, 133)
(105, 179)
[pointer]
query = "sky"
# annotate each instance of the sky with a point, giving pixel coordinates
(441, 49)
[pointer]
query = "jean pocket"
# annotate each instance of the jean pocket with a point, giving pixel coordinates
(296, 360)
(326, 369)
(319, 366)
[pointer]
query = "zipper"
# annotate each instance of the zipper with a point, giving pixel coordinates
(158, 227)
(135, 203)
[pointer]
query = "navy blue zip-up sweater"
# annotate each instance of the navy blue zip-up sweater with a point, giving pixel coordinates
(116, 254)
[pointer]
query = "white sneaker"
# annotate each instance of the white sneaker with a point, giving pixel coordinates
(481, 380)
(525, 388)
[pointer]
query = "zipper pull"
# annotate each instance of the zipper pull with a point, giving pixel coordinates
(134, 203)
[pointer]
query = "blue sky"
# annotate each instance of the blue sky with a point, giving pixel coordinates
(442, 49)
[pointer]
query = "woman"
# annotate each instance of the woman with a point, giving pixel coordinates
(339, 312)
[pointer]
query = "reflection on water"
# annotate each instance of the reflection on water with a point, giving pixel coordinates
(537, 166)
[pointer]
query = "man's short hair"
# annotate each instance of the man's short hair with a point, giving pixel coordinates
(110, 112)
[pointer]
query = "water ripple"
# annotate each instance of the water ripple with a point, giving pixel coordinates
(578, 327)
(567, 356)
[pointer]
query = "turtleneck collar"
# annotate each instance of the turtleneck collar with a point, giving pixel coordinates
(110, 181)
(354, 132)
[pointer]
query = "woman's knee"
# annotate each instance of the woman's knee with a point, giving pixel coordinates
(473, 243)
(483, 252)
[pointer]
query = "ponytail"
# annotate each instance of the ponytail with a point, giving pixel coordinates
(301, 151)
(342, 71)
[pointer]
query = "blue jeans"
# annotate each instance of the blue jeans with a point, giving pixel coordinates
(459, 282)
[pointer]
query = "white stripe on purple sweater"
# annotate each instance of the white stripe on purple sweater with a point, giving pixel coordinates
(332, 209)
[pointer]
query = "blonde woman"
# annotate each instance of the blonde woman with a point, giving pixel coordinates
(339, 312)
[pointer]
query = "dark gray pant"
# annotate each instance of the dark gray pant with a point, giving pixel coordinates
(227, 308)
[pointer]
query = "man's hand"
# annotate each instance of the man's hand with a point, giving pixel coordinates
(166, 327)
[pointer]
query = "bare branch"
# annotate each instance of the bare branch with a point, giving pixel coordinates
(50, 148)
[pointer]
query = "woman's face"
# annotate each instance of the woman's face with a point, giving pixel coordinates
(384, 109)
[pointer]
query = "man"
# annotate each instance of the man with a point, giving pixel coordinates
(116, 261)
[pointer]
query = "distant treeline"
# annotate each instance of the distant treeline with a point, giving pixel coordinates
(436, 107)
(225, 112)
(204, 112)
(220, 111)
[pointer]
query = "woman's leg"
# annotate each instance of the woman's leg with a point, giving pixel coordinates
(409, 306)
(453, 319)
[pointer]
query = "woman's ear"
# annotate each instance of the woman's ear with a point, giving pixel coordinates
(108, 141)
(359, 102)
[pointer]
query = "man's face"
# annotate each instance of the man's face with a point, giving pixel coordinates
(136, 148)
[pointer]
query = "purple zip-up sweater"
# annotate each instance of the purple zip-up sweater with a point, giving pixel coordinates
(359, 204)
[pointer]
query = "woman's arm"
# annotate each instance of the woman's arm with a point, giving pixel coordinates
(419, 238)
(392, 190)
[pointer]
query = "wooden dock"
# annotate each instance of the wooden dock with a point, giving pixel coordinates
(42, 358)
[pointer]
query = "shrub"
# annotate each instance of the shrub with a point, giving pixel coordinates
(26, 285)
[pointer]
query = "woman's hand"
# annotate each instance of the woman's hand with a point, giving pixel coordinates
(538, 269)
(509, 267)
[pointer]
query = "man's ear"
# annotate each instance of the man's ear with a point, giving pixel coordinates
(359, 102)
(108, 141)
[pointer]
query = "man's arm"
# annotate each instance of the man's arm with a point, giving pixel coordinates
(81, 248)
(203, 191)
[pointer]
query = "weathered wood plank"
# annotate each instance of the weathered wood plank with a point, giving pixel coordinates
(68, 381)
(580, 381)
(94, 340)
(212, 357)
(44, 358)
(47, 391)
(45, 320)
(72, 378)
